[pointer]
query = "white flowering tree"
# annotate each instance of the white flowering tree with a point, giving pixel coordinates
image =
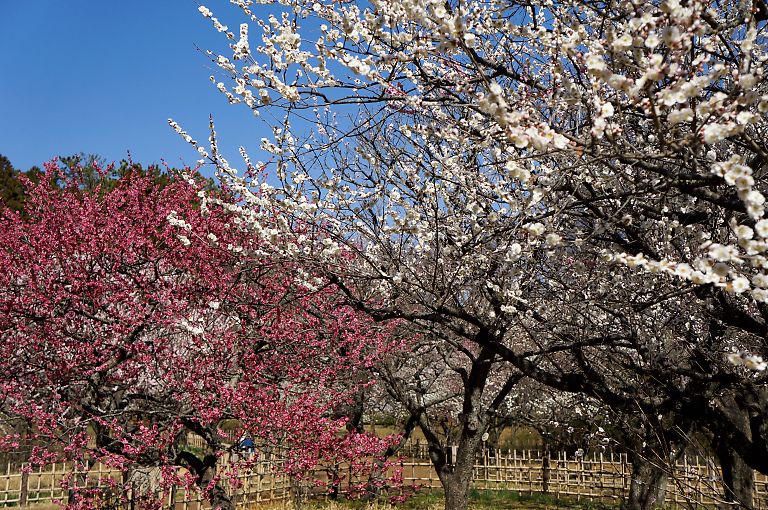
(523, 181)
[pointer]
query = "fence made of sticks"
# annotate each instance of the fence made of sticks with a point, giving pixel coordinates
(53, 484)
(693, 481)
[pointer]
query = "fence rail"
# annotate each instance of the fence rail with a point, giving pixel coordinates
(694, 481)
(50, 484)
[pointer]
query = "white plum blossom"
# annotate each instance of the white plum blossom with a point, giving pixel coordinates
(747, 360)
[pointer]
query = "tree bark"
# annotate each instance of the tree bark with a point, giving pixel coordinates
(456, 473)
(545, 471)
(218, 498)
(79, 480)
(456, 485)
(455, 476)
(738, 478)
(456, 489)
(648, 486)
(456, 479)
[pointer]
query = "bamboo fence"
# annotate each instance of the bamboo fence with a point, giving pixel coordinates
(50, 484)
(694, 481)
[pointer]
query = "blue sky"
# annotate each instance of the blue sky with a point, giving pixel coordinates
(102, 77)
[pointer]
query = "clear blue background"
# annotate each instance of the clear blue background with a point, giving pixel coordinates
(103, 76)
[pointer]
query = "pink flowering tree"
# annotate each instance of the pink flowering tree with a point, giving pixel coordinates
(133, 316)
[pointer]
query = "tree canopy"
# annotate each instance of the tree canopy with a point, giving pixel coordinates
(133, 316)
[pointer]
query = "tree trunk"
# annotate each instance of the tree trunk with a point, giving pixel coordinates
(205, 471)
(297, 493)
(218, 496)
(220, 500)
(738, 478)
(128, 492)
(457, 481)
(473, 420)
(545, 471)
(333, 476)
(79, 481)
(456, 475)
(456, 489)
(648, 485)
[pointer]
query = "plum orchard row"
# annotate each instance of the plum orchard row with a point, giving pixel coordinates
(566, 192)
(556, 209)
(546, 196)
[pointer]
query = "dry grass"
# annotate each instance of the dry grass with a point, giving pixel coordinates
(481, 500)
(428, 501)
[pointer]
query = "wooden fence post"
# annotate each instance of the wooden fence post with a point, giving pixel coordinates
(624, 474)
(545, 471)
(24, 488)
(128, 489)
(172, 497)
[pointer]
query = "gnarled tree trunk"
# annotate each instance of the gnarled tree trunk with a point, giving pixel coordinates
(738, 478)
(457, 482)
(457, 493)
(648, 485)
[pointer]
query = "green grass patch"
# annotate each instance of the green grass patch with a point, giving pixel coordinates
(479, 500)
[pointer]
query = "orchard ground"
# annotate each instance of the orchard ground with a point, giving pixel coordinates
(433, 500)
(479, 500)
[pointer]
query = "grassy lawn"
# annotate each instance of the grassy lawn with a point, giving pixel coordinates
(480, 500)
(494, 500)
